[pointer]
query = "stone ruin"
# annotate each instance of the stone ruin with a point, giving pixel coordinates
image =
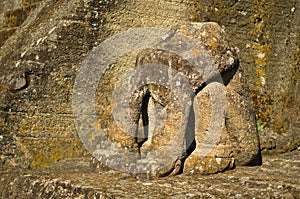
(184, 108)
(43, 44)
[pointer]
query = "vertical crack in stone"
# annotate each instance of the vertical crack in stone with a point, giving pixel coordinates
(141, 139)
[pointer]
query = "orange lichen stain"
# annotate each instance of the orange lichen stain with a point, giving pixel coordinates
(260, 72)
(21, 130)
(215, 35)
(261, 52)
(97, 125)
(51, 151)
(183, 28)
(92, 138)
(33, 163)
(112, 81)
(39, 160)
(258, 82)
(56, 155)
(196, 52)
(71, 152)
(213, 44)
(168, 123)
(111, 107)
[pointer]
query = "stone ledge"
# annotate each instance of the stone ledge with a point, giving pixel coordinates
(278, 177)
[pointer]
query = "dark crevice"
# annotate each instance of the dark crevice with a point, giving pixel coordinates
(189, 137)
(256, 160)
(140, 140)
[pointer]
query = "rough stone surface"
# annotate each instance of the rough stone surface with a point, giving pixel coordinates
(236, 142)
(267, 34)
(201, 54)
(52, 53)
(51, 38)
(278, 177)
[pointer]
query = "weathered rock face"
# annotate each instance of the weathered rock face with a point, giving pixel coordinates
(12, 14)
(37, 126)
(41, 54)
(224, 136)
(43, 44)
(267, 34)
(276, 178)
(164, 82)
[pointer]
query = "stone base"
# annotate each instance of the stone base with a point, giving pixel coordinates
(278, 177)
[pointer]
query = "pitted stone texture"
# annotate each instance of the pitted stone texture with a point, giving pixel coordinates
(15, 81)
(269, 53)
(237, 139)
(219, 54)
(168, 75)
(276, 178)
(197, 51)
(218, 60)
(61, 33)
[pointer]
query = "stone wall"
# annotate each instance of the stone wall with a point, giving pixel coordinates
(12, 14)
(41, 54)
(40, 61)
(267, 34)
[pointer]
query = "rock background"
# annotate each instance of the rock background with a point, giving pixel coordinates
(267, 34)
(44, 42)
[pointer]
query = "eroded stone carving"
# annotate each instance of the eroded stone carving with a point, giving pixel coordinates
(173, 113)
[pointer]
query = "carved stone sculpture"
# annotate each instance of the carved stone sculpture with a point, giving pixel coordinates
(187, 113)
